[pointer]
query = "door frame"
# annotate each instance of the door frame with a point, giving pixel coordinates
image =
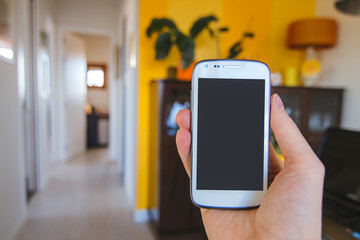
(36, 149)
(29, 129)
(61, 152)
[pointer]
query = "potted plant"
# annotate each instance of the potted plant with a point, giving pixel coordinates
(169, 35)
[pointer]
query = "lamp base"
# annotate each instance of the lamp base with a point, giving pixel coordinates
(309, 81)
(310, 68)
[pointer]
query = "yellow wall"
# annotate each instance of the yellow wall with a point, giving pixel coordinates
(270, 21)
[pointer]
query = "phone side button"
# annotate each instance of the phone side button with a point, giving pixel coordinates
(191, 100)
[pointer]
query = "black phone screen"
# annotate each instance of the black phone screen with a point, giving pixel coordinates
(230, 143)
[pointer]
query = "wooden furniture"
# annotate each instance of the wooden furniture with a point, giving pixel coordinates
(171, 209)
(97, 129)
(312, 109)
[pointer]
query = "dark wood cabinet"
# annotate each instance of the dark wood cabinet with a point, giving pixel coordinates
(171, 208)
(312, 109)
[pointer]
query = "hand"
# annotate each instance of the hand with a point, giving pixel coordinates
(291, 208)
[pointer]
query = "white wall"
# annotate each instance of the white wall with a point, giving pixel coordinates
(98, 52)
(97, 48)
(341, 64)
(87, 17)
(128, 30)
(11, 200)
(12, 182)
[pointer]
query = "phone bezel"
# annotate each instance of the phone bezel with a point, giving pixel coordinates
(230, 69)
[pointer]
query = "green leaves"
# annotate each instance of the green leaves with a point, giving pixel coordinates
(186, 46)
(201, 24)
(237, 48)
(223, 29)
(248, 34)
(163, 45)
(158, 25)
(169, 35)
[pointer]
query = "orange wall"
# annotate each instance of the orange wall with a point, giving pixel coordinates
(149, 70)
(283, 12)
(270, 21)
(237, 15)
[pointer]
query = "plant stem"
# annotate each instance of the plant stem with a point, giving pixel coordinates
(217, 40)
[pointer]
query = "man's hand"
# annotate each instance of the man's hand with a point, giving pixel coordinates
(291, 208)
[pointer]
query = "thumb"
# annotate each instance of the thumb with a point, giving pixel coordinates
(294, 147)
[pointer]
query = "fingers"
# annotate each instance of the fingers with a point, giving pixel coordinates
(183, 138)
(183, 119)
(294, 147)
(183, 143)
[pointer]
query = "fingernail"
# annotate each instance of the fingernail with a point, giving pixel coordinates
(277, 101)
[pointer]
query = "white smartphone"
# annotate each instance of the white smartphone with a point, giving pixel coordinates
(230, 133)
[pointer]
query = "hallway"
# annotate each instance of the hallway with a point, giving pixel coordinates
(83, 199)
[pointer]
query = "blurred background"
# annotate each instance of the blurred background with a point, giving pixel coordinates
(90, 91)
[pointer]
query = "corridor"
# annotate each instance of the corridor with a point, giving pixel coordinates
(83, 199)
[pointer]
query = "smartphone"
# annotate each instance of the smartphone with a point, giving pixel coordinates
(230, 103)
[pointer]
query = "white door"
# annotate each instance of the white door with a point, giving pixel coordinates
(75, 94)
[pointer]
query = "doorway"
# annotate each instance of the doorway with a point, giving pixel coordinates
(98, 94)
(86, 70)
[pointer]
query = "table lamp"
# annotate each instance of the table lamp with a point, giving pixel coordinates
(312, 35)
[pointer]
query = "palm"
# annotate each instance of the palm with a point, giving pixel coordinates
(291, 208)
(270, 221)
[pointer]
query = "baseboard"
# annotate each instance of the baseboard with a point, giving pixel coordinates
(142, 215)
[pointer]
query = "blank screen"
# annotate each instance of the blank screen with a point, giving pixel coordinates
(230, 153)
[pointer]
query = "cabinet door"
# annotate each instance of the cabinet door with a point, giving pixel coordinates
(324, 112)
(176, 211)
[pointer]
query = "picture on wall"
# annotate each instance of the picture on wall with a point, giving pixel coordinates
(6, 44)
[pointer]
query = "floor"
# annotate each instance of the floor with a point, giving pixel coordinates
(83, 199)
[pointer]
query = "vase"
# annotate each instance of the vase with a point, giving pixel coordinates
(185, 74)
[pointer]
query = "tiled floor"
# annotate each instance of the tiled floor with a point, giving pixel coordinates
(83, 199)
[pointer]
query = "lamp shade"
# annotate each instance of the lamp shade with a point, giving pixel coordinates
(315, 32)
